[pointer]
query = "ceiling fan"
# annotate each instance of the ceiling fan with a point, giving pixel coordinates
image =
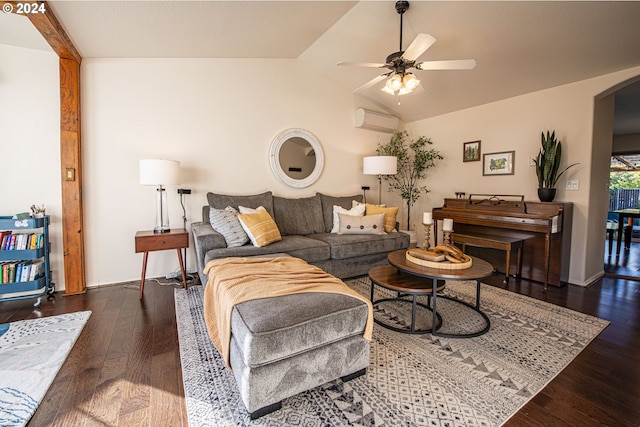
(401, 81)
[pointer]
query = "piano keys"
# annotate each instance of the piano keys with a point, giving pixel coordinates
(544, 226)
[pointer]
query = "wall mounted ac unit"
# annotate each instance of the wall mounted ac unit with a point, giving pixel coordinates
(372, 120)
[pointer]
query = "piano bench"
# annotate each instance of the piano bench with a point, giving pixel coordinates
(504, 243)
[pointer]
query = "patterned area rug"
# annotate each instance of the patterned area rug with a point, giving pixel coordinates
(31, 353)
(412, 380)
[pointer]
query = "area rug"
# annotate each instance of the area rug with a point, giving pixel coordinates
(412, 380)
(31, 354)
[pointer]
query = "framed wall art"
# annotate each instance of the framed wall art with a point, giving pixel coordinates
(471, 151)
(498, 163)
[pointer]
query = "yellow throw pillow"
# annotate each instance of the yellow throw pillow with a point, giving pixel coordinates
(389, 216)
(260, 227)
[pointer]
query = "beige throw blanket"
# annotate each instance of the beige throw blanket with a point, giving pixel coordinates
(236, 280)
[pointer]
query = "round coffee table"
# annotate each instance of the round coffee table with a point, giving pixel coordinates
(410, 283)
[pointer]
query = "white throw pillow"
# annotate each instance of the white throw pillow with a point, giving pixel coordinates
(246, 210)
(356, 210)
(369, 224)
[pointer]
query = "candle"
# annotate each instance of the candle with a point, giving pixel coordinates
(427, 218)
(447, 224)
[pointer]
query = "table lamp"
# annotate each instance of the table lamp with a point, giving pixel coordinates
(380, 165)
(160, 172)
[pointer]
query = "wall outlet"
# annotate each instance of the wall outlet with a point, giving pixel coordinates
(572, 185)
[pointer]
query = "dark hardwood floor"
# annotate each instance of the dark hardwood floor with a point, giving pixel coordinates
(124, 370)
(626, 265)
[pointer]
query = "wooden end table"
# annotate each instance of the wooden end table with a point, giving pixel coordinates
(147, 241)
(412, 282)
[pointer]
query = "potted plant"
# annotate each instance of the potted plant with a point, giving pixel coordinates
(414, 159)
(547, 166)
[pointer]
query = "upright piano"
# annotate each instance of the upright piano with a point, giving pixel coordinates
(545, 228)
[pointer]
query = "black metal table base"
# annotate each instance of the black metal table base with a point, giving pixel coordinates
(411, 329)
(436, 320)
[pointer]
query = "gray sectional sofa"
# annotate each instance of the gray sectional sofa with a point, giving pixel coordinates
(305, 226)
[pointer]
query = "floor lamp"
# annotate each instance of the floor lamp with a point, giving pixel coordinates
(380, 165)
(160, 172)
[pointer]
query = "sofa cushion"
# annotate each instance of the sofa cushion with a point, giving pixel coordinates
(221, 201)
(271, 329)
(298, 216)
(260, 227)
(370, 224)
(344, 246)
(327, 207)
(225, 221)
(310, 250)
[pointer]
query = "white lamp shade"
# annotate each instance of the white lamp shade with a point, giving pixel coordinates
(380, 165)
(159, 172)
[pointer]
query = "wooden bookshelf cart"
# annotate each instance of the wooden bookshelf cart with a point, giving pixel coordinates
(31, 276)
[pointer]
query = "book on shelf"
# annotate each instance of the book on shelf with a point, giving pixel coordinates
(26, 269)
(12, 273)
(6, 241)
(5, 272)
(33, 242)
(37, 270)
(3, 238)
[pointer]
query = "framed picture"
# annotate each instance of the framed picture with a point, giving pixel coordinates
(471, 151)
(498, 163)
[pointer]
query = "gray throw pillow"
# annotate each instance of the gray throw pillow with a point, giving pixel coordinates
(225, 221)
(368, 224)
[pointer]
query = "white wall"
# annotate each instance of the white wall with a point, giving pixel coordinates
(30, 140)
(189, 110)
(516, 124)
(217, 117)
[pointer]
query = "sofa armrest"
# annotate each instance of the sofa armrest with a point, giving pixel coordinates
(205, 238)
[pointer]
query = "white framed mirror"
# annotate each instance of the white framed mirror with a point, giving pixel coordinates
(296, 157)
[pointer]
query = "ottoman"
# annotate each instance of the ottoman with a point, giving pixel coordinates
(285, 345)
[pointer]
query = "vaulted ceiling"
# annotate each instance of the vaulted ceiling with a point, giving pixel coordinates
(520, 47)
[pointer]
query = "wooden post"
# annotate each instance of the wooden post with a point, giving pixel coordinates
(70, 145)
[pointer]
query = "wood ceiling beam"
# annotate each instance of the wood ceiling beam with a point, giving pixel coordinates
(70, 142)
(43, 18)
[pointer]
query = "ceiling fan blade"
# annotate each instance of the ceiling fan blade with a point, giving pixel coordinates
(372, 82)
(418, 46)
(453, 64)
(362, 64)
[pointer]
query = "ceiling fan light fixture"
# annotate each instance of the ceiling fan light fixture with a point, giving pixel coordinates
(385, 89)
(394, 83)
(401, 84)
(410, 81)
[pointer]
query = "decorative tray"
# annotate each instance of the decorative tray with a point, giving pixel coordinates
(433, 259)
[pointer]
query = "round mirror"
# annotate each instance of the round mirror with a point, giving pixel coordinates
(296, 158)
